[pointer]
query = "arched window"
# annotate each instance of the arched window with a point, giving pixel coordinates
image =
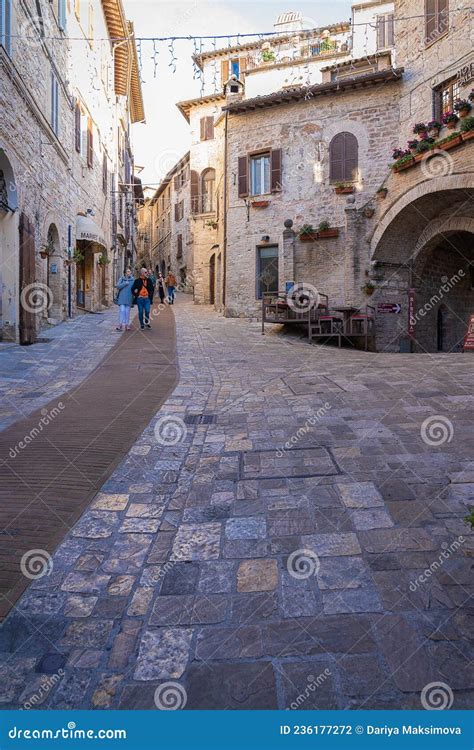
(208, 186)
(343, 158)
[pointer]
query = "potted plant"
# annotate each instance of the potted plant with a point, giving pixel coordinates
(424, 146)
(103, 259)
(46, 249)
(77, 256)
(462, 107)
(413, 145)
(382, 192)
(433, 128)
(268, 55)
(405, 161)
(368, 288)
(420, 129)
(342, 188)
(450, 119)
(211, 223)
(451, 141)
(467, 128)
(308, 233)
(325, 230)
(469, 519)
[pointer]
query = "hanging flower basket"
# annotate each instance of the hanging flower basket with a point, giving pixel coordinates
(368, 288)
(462, 107)
(450, 119)
(308, 233)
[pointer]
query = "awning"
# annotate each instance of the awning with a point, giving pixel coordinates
(88, 231)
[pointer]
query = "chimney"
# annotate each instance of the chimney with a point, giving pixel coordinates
(234, 89)
(288, 22)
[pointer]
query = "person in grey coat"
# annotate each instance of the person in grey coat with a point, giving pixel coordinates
(124, 299)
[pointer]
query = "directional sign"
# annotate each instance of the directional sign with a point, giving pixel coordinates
(468, 345)
(411, 313)
(388, 307)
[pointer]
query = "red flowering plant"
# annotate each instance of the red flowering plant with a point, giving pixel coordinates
(450, 118)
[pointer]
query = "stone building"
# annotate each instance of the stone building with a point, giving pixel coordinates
(63, 107)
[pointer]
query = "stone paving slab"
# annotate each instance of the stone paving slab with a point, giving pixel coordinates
(302, 547)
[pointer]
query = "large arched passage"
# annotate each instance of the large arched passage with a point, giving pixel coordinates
(423, 250)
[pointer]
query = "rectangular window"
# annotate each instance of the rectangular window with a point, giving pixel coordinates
(54, 104)
(105, 173)
(260, 174)
(444, 97)
(179, 211)
(436, 19)
(235, 67)
(267, 270)
(179, 251)
(6, 25)
(385, 35)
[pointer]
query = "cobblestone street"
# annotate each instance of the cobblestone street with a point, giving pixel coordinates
(287, 532)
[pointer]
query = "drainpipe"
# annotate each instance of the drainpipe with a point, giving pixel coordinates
(224, 243)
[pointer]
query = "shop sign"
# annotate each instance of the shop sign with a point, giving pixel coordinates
(411, 313)
(389, 307)
(468, 345)
(466, 74)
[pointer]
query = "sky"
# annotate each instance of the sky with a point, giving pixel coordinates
(160, 143)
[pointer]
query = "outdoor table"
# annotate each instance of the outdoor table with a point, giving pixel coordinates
(347, 312)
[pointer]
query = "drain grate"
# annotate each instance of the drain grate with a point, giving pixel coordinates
(200, 419)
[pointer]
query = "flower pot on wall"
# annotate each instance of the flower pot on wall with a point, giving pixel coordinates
(404, 165)
(332, 232)
(309, 237)
(344, 189)
(468, 135)
(452, 143)
(260, 204)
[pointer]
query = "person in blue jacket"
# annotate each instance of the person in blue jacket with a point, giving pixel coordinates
(124, 299)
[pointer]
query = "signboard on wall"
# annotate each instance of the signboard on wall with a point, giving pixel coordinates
(389, 307)
(466, 74)
(468, 345)
(411, 313)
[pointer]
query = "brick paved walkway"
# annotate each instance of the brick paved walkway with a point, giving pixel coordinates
(299, 544)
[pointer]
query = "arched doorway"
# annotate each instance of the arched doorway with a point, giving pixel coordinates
(9, 252)
(208, 186)
(423, 254)
(212, 280)
(54, 274)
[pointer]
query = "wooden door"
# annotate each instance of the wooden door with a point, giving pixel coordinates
(27, 281)
(212, 280)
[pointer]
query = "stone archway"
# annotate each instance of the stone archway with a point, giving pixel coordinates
(9, 252)
(54, 273)
(425, 243)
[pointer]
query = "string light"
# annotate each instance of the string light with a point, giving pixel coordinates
(154, 58)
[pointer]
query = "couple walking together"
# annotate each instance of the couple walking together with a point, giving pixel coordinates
(141, 291)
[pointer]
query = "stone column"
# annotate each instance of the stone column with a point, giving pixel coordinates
(286, 260)
(355, 260)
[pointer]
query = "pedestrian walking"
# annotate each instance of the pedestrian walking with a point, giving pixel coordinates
(143, 290)
(152, 276)
(124, 299)
(171, 284)
(161, 286)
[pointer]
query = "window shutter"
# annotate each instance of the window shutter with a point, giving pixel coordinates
(242, 64)
(203, 128)
(209, 128)
(243, 177)
(336, 158)
(351, 157)
(77, 128)
(224, 71)
(275, 168)
(176, 212)
(380, 32)
(180, 246)
(443, 16)
(90, 143)
(194, 191)
(390, 31)
(430, 20)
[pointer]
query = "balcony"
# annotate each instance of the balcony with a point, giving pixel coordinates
(288, 55)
